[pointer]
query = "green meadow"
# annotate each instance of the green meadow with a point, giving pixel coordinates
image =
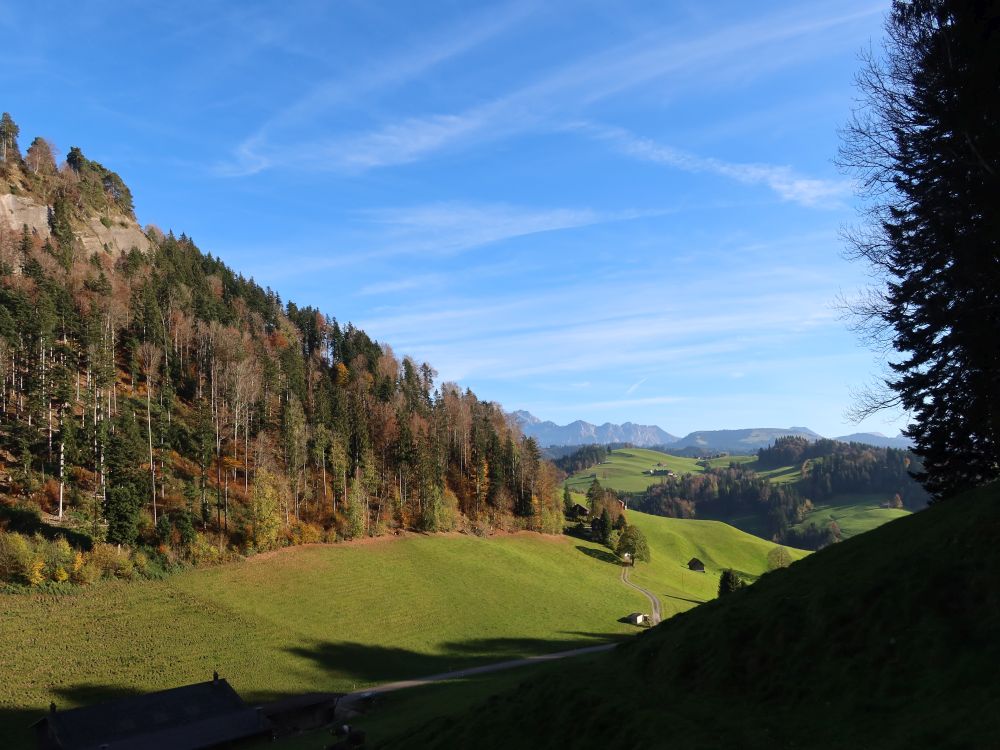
(854, 514)
(342, 617)
(623, 470)
(325, 617)
(886, 640)
(674, 541)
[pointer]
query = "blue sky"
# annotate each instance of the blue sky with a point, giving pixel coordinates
(593, 210)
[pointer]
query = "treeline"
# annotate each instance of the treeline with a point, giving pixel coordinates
(830, 467)
(583, 458)
(148, 391)
(722, 492)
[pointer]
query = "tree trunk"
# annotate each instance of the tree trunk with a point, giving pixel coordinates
(149, 433)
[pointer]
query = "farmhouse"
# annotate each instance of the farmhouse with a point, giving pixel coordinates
(697, 565)
(203, 715)
(638, 618)
(580, 510)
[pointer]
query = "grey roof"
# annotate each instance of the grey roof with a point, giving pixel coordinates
(202, 715)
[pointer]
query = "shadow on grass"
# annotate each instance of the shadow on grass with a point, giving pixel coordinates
(684, 599)
(371, 664)
(599, 554)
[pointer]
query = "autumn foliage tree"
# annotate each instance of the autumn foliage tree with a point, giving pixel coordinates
(159, 382)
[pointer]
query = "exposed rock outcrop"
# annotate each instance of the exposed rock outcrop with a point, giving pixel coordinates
(117, 235)
(16, 211)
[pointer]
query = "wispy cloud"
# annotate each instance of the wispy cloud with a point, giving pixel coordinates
(551, 98)
(783, 180)
(394, 143)
(451, 227)
(443, 230)
(401, 285)
(632, 388)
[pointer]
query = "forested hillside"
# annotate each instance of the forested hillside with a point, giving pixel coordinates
(793, 491)
(157, 396)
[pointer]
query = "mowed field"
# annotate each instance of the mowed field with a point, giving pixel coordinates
(674, 541)
(854, 514)
(326, 617)
(624, 469)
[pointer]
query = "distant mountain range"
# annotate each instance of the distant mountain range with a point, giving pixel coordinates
(708, 441)
(741, 441)
(877, 439)
(585, 433)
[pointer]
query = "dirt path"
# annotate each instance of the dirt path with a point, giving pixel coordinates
(350, 700)
(653, 601)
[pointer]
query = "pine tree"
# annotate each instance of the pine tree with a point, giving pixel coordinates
(8, 139)
(927, 150)
(601, 528)
(567, 501)
(126, 486)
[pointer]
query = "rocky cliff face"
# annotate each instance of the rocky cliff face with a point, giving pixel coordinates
(117, 235)
(16, 211)
(121, 236)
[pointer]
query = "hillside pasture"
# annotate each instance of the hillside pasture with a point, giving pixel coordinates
(324, 617)
(674, 541)
(854, 514)
(721, 462)
(624, 467)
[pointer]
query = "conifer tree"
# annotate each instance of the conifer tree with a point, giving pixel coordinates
(927, 150)
(8, 139)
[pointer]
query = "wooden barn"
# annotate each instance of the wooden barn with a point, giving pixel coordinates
(204, 715)
(696, 565)
(638, 618)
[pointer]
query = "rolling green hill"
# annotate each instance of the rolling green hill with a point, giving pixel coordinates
(335, 617)
(673, 542)
(325, 617)
(887, 640)
(854, 514)
(624, 470)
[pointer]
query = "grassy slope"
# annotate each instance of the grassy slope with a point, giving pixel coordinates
(623, 471)
(674, 541)
(343, 616)
(624, 467)
(887, 640)
(312, 618)
(854, 514)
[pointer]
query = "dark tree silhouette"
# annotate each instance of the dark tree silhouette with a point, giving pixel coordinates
(729, 582)
(926, 147)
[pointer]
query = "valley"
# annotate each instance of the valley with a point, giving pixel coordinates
(633, 471)
(345, 616)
